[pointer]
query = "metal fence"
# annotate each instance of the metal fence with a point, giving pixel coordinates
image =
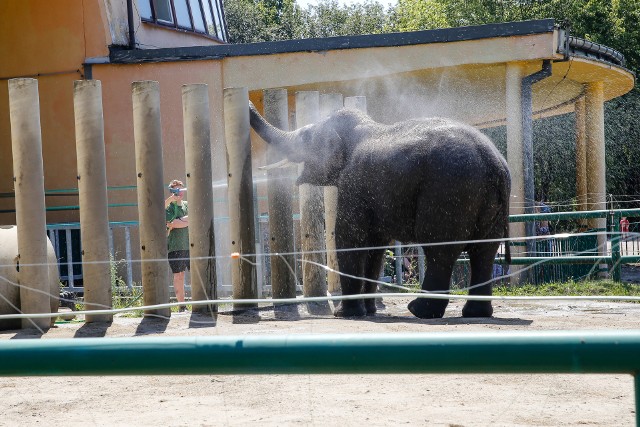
(486, 353)
(66, 242)
(556, 259)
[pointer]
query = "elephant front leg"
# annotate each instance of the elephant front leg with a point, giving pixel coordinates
(372, 272)
(352, 227)
(350, 264)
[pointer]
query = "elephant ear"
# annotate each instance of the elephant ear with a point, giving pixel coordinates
(324, 159)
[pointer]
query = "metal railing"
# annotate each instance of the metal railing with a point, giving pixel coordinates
(621, 248)
(615, 258)
(477, 352)
(65, 238)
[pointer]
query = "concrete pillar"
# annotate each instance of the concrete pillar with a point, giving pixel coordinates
(314, 278)
(330, 103)
(356, 102)
(240, 187)
(28, 177)
(150, 183)
(280, 187)
(197, 148)
(595, 152)
(92, 189)
(515, 156)
(581, 155)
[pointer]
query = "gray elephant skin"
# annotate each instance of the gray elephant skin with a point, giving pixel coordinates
(425, 181)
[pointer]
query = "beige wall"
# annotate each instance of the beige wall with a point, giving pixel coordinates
(116, 83)
(50, 40)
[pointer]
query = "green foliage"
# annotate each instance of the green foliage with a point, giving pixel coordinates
(122, 296)
(571, 288)
(612, 23)
(251, 21)
(413, 15)
(622, 132)
(329, 19)
(271, 20)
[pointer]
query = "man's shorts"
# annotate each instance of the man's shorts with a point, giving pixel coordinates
(178, 261)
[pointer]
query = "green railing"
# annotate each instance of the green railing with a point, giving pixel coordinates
(614, 261)
(477, 352)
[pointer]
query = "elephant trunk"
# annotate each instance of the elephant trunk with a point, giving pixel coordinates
(268, 132)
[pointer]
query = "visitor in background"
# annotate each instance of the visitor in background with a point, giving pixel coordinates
(545, 246)
(624, 227)
(542, 227)
(176, 212)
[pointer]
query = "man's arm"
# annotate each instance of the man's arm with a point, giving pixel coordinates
(182, 222)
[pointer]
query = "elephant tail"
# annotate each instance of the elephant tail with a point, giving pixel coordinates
(506, 195)
(507, 245)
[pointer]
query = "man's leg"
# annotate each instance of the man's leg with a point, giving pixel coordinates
(178, 285)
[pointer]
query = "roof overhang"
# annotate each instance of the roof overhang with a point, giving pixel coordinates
(455, 72)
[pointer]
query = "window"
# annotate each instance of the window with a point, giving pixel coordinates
(217, 15)
(196, 12)
(200, 16)
(144, 7)
(182, 14)
(163, 10)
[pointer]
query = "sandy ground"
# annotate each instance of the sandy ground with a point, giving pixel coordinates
(332, 400)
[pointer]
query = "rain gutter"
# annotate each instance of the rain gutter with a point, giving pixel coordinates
(132, 33)
(527, 144)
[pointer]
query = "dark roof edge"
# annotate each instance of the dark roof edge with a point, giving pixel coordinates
(588, 49)
(119, 55)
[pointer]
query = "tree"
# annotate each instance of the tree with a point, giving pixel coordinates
(270, 20)
(412, 15)
(250, 21)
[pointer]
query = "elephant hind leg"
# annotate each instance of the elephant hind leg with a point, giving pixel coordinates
(481, 258)
(440, 262)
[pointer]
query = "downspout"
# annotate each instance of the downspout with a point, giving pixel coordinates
(527, 146)
(132, 33)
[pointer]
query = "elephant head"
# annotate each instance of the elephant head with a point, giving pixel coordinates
(319, 146)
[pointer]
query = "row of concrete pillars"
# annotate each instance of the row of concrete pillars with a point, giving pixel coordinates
(92, 186)
(317, 205)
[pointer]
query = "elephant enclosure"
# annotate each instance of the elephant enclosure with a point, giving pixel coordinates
(326, 400)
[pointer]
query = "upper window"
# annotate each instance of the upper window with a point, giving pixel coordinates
(200, 16)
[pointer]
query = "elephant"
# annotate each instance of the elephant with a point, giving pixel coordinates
(10, 278)
(425, 181)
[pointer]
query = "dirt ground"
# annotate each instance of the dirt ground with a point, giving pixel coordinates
(332, 400)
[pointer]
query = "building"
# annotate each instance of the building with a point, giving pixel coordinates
(487, 75)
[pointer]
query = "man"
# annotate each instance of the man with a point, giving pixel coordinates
(176, 213)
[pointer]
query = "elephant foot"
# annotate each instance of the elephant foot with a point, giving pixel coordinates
(350, 308)
(477, 309)
(428, 308)
(370, 306)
